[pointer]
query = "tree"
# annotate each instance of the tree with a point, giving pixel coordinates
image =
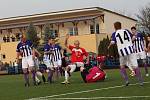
(47, 32)
(144, 18)
(32, 35)
(102, 49)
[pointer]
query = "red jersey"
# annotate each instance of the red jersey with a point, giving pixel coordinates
(95, 74)
(77, 54)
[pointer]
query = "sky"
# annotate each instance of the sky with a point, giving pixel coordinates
(12, 8)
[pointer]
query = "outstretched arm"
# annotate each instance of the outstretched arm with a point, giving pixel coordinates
(66, 40)
(111, 43)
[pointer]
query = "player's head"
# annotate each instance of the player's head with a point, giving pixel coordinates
(117, 25)
(76, 43)
(133, 29)
(23, 37)
(51, 40)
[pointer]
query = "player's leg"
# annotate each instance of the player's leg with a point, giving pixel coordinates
(36, 62)
(143, 58)
(84, 73)
(50, 72)
(148, 62)
(56, 72)
(32, 68)
(69, 69)
(25, 71)
(60, 69)
(38, 73)
(123, 72)
(131, 69)
(134, 64)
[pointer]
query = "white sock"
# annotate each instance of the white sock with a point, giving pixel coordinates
(36, 78)
(66, 76)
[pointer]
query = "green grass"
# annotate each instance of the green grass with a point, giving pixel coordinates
(12, 88)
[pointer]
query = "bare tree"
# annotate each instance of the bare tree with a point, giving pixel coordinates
(144, 18)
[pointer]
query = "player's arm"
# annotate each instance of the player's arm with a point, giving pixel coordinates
(47, 50)
(144, 42)
(36, 51)
(33, 49)
(113, 40)
(86, 56)
(66, 41)
(18, 53)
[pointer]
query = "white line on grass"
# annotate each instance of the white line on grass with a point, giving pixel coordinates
(113, 87)
(92, 98)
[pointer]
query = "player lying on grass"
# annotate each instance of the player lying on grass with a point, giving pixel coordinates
(123, 39)
(77, 58)
(95, 73)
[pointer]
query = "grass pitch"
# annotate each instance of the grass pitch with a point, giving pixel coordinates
(12, 88)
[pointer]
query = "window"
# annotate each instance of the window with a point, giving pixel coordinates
(4, 56)
(73, 31)
(97, 29)
(94, 29)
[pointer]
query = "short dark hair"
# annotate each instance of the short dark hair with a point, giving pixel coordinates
(51, 38)
(133, 27)
(117, 25)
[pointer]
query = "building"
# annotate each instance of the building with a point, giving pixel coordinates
(88, 25)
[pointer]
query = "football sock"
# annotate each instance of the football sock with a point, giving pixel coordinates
(83, 74)
(37, 79)
(26, 77)
(124, 74)
(138, 74)
(66, 76)
(146, 68)
(33, 76)
(43, 78)
(50, 75)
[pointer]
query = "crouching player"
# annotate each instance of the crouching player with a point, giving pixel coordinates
(93, 75)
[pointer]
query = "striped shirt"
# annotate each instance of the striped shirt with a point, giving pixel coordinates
(124, 42)
(48, 56)
(55, 54)
(25, 48)
(138, 43)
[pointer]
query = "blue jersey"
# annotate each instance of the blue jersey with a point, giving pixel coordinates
(56, 52)
(47, 48)
(25, 48)
(139, 43)
(123, 39)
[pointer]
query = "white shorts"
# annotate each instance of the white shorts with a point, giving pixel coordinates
(129, 60)
(77, 64)
(27, 62)
(57, 63)
(141, 55)
(49, 64)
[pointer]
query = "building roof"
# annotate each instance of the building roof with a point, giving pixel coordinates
(62, 12)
